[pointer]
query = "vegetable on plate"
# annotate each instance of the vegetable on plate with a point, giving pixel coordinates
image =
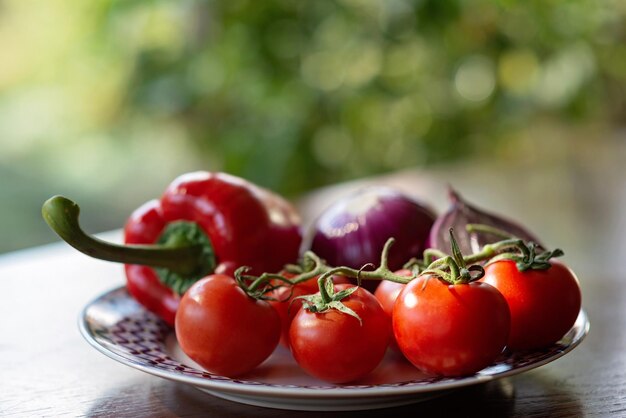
(203, 257)
(544, 302)
(353, 230)
(446, 323)
(340, 334)
(386, 293)
(225, 329)
(460, 214)
(286, 299)
(203, 223)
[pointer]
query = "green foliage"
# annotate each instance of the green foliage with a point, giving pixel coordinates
(299, 94)
(290, 94)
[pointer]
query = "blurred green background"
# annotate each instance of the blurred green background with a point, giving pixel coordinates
(108, 101)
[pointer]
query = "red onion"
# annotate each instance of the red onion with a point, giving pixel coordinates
(353, 231)
(459, 215)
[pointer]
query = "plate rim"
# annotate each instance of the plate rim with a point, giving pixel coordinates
(236, 386)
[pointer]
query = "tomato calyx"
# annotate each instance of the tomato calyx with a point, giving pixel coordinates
(530, 255)
(328, 299)
(419, 265)
(530, 260)
(458, 271)
(261, 287)
(312, 266)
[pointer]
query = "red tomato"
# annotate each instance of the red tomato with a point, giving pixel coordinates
(223, 329)
(450, 330)
(287, 309)
(334, 346)
(387, 292)
(544, 304)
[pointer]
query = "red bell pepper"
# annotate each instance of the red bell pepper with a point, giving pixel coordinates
(204, 222)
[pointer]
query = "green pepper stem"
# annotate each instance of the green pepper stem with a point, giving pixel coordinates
(61, 214)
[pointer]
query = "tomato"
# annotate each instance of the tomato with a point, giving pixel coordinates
(387, 292)
(223, 329)
(544, 304)
(450, 330)
(287, 307)
(333, 346)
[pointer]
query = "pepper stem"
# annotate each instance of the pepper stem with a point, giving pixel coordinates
(184, 258)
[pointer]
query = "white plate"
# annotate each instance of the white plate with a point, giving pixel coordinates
(120, 328)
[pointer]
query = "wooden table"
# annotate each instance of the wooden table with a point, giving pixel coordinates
(47, 369)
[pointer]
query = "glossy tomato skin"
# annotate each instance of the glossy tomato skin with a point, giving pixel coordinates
(287, 305)
(223, 329)
(334, 346)
(450, 330)
(387, 292)
(544, 304)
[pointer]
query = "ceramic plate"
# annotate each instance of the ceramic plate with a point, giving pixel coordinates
(120, 328)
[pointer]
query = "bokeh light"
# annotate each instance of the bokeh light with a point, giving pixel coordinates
(109, 100)
(475, 80)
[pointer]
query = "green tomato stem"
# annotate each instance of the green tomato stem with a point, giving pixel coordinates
(489, 230)
(380, 273)
(491, 250)
(432, 254)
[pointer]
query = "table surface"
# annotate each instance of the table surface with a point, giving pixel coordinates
(47, 369)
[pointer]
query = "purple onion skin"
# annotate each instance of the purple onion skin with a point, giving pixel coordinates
(353, 231)
(459, 214)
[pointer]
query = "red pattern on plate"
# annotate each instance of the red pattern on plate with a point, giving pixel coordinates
(120, 325)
